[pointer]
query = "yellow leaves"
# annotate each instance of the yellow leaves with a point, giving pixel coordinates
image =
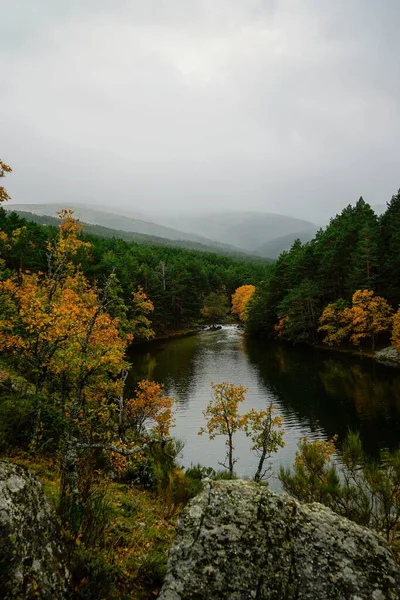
(311, 461)
(68, 242)
(141, 307)
(280, 327)
(3, 170)
(322, 448)
(396, 331)
(141, 301)
(4, 241)
(150, 408)
(57, 323)
(369, 316)
(222, 411)
(335, 323)
(120, 463)
(265, 429)
(240, 300)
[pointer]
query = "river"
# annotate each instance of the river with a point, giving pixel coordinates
(318, 393)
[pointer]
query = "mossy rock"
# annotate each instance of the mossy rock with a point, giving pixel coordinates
(239, 541)
(32, 555)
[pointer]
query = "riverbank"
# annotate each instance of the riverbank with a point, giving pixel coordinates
(181, 333)
(168, 335)
(387, 356)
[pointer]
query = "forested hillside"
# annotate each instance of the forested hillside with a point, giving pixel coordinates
(341, 286)
(176, 280)
(151, 240)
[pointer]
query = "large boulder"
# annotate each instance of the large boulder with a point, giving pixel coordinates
(388, 356)
(239, 541)
(32, 557)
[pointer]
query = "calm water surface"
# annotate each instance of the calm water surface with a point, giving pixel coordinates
(318, 393)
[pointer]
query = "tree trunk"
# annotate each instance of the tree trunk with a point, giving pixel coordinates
(257, 476)
(37, 411)
(230, 455)
(122, 411)
(71, 504)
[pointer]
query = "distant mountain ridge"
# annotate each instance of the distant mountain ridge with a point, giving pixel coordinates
(250, 231)
(142, 238)
(254, 233)
(113, 221)
(273, 248)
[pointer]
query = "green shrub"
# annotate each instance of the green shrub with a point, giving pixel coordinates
(16, 420)
(225, 475)
(92, 577)
(153, 568)
(140, 473)
(363, 490)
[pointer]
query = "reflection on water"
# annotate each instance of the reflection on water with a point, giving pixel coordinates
(317, 392)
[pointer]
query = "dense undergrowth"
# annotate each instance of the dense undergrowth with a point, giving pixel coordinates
(128, 515)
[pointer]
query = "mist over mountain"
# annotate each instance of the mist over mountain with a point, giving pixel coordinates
(252, 232)
(146, 239)
(247, 230)
(113, 220)
(273, 248)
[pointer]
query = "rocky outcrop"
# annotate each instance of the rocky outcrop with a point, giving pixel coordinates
(238, 541)
(388, 356)
(32, 557)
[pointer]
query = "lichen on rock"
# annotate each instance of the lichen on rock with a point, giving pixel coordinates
(238, 541)
(32, 556)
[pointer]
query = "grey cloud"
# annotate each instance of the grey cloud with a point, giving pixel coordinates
(281, 106)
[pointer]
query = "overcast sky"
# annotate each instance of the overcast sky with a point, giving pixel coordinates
(277, 105)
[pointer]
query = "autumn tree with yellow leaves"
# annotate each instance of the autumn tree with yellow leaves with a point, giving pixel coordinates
(368, 317)
(60, 328)
(148, 413)
(240, 300)
(223, 418)
(3, 170)
(263, 427)
(336, 323)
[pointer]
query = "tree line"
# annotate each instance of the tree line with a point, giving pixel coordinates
(176, 280)
(342, 286)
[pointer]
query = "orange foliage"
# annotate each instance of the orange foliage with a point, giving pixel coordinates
(68, 242)
(141, 307)
(396, 331)
(150, 409)
(325, 449)
(3, 170)
(335, 323)
(57, 324)
(280, 327)
(240, 300)
(368, 317)
(223, 415)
